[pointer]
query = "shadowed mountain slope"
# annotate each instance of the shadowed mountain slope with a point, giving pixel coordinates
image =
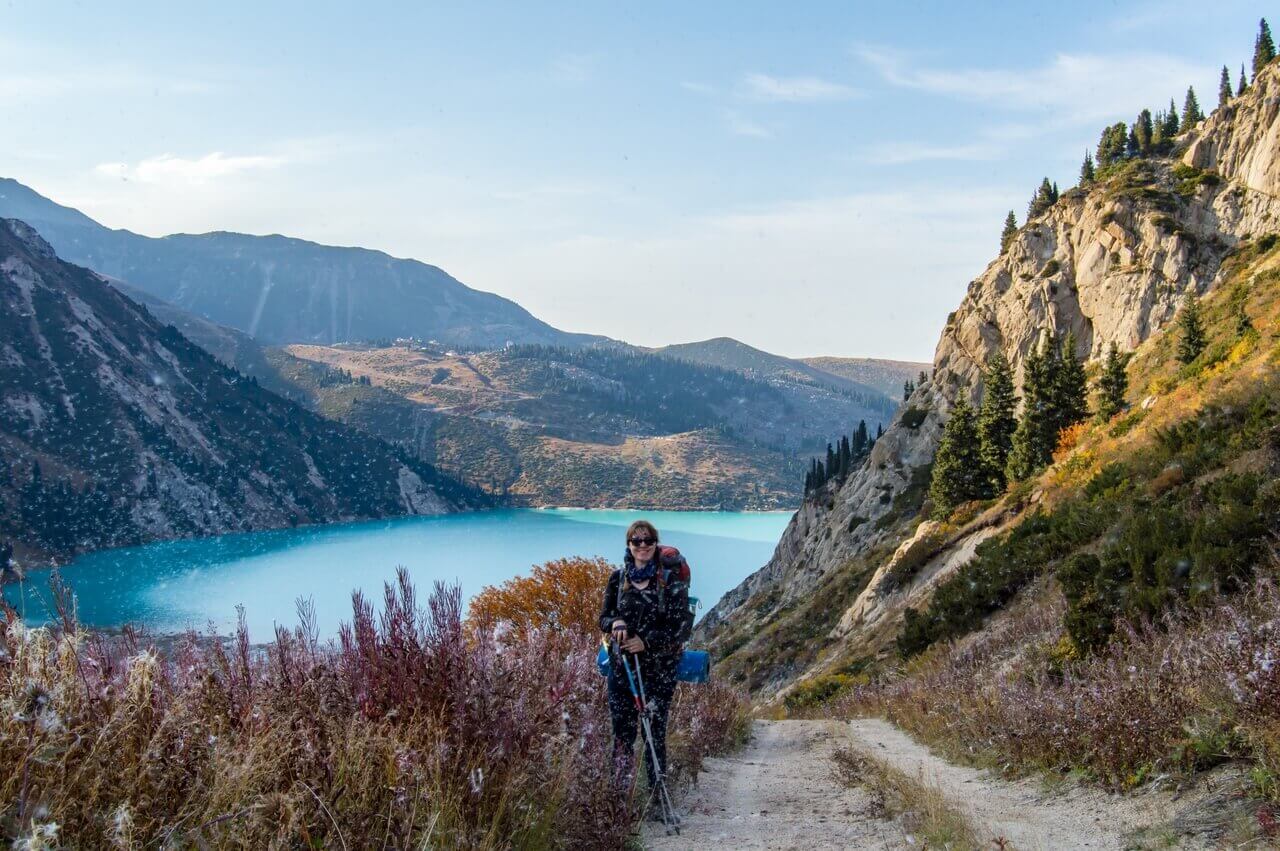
(116, 429)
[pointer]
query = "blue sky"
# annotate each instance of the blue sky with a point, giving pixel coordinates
(819, 178)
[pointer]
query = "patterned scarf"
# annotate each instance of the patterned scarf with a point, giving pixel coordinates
(637, 573)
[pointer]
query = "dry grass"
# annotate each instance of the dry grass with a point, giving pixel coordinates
(1200, 688)
(406, 732)
(922, 808)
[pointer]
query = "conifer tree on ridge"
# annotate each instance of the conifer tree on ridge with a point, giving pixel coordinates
(996, 421)
(957, 465)
(1264, 49)
(1009, 232)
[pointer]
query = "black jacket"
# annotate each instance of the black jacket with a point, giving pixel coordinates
(656, 614)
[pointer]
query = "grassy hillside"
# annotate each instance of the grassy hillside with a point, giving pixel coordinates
(608, 427)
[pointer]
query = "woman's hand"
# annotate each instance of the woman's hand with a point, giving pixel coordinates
(619, 630)
(633, 645)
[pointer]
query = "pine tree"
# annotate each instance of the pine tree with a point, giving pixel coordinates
(1192, 341)
(907, 389)
(831, 462)
(1224, 88)
(1264, 49)
(1054, 194)
(1070, 388)
(1243, 85)
(1042, 199)
(860, 439)
(1112, 144)
(1132, 147)
(1144, 131)
(1009, 232)
(996, 421)
(1191, 115)
(846, 458)
(1031, 447)
(1113, 383)
(957, 466)
(879, 431)
(1157, 133)
(1087, 175)
(923, 376)
(1171, 123)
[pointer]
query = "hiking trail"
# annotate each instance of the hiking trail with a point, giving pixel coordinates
(780, 792)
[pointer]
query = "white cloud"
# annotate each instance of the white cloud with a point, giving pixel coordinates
(1075, 87)
(169, 169)
(741, 126)
(764, 87)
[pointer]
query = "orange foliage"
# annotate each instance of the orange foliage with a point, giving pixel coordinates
(1067, 440)
(562, 595)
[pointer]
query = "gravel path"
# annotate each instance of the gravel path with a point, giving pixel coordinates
(776, 793)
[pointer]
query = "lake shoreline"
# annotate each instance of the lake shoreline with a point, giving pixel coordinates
(172, 586)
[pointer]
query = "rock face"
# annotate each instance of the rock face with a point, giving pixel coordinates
(115, 429)
(1111, 263)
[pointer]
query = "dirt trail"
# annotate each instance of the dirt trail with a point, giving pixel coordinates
(778, 792)
(1023, 812)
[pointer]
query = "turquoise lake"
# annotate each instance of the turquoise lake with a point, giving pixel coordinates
(171, 586)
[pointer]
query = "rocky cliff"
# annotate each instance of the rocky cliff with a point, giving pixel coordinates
(116, 429)
(1110, 262)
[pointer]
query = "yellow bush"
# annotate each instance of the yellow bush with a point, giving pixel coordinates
(562, 595)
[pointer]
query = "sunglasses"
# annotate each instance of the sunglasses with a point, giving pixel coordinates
(642, 542)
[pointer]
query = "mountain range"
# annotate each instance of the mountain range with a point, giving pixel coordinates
(283, 290)
(115, 429)
(440, 379)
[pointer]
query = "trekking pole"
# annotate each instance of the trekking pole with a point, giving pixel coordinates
(658, 784)
(664, 796)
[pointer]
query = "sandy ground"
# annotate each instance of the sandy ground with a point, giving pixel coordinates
(778, 792)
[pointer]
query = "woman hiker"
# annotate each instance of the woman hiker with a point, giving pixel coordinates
(644, 609)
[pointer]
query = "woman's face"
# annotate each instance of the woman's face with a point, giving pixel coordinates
(642, 544)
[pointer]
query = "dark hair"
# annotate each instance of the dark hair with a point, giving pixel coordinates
(644, 525)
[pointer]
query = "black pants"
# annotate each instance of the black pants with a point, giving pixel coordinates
(659, 675)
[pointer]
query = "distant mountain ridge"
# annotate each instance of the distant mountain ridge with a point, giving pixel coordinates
(283, 290)
(728, 353)
(115, 429)
(887, 376)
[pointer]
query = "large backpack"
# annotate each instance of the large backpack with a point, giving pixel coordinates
(673, 567)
